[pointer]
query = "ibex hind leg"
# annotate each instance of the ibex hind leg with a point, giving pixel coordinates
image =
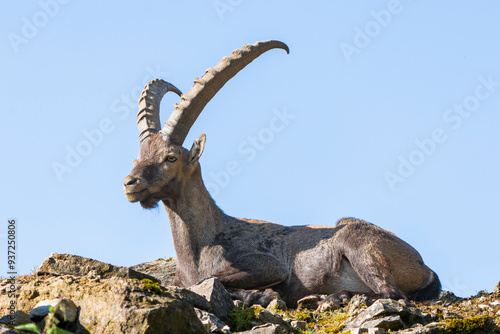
(357, 241)
(373, 270)
(347, 282)
(429, 291)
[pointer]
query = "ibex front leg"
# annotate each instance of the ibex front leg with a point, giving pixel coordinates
(253, 271)
(248, 276)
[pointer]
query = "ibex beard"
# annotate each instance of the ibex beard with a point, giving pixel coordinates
(354, 257)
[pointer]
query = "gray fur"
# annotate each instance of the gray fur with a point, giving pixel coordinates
(352, 257)
(248, 254)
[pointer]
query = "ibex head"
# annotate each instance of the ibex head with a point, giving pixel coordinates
(164, 167)
(161, 171)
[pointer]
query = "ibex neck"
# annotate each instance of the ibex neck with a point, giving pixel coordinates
(195, 220)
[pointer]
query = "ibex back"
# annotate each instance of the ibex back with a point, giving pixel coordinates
(351, 258)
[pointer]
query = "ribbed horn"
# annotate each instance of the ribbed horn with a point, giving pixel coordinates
(148, 117)
(204, 89)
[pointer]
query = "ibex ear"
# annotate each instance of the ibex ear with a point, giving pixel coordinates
(197, 149)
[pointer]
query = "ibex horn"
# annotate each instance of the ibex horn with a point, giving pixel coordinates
(148, 117)
(204, 89)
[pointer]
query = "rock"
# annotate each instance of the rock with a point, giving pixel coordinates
(380, 308)
(308, 302)
(218, 297)
(474, 324)
(277, 304)
(112, 304)
(368, 331)
(497, 288)
(267, 317)
(67, 311)
(18, 318)
(480, 293)
(298, 324)
(67, 264)
(406, 303)
(432, 328)
(357, 304)
(161, 269)
(391, 322)
(451, 315)
(328, 304)
(447, 298)
(266, 329)
(270, 295)
(387, 314)
(4, 329)
(212, 323)
(192, 298)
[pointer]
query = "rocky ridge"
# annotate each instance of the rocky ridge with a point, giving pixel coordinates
(95, 297)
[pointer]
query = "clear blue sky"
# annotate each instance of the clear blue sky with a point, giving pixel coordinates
(393, 114)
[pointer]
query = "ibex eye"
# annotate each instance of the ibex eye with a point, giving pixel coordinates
(171, 158)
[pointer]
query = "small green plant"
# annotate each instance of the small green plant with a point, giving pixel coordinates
(481, 293)
(439, 313)
(318, 322)
(478, 324)
(33, 270)
(242, 318)
(153, 287)
(50, 324)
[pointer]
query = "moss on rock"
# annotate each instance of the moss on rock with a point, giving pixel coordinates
(473, 325)
(153, 287)
(244, 318)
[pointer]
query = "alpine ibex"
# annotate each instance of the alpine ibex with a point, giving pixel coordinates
(354, 256)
